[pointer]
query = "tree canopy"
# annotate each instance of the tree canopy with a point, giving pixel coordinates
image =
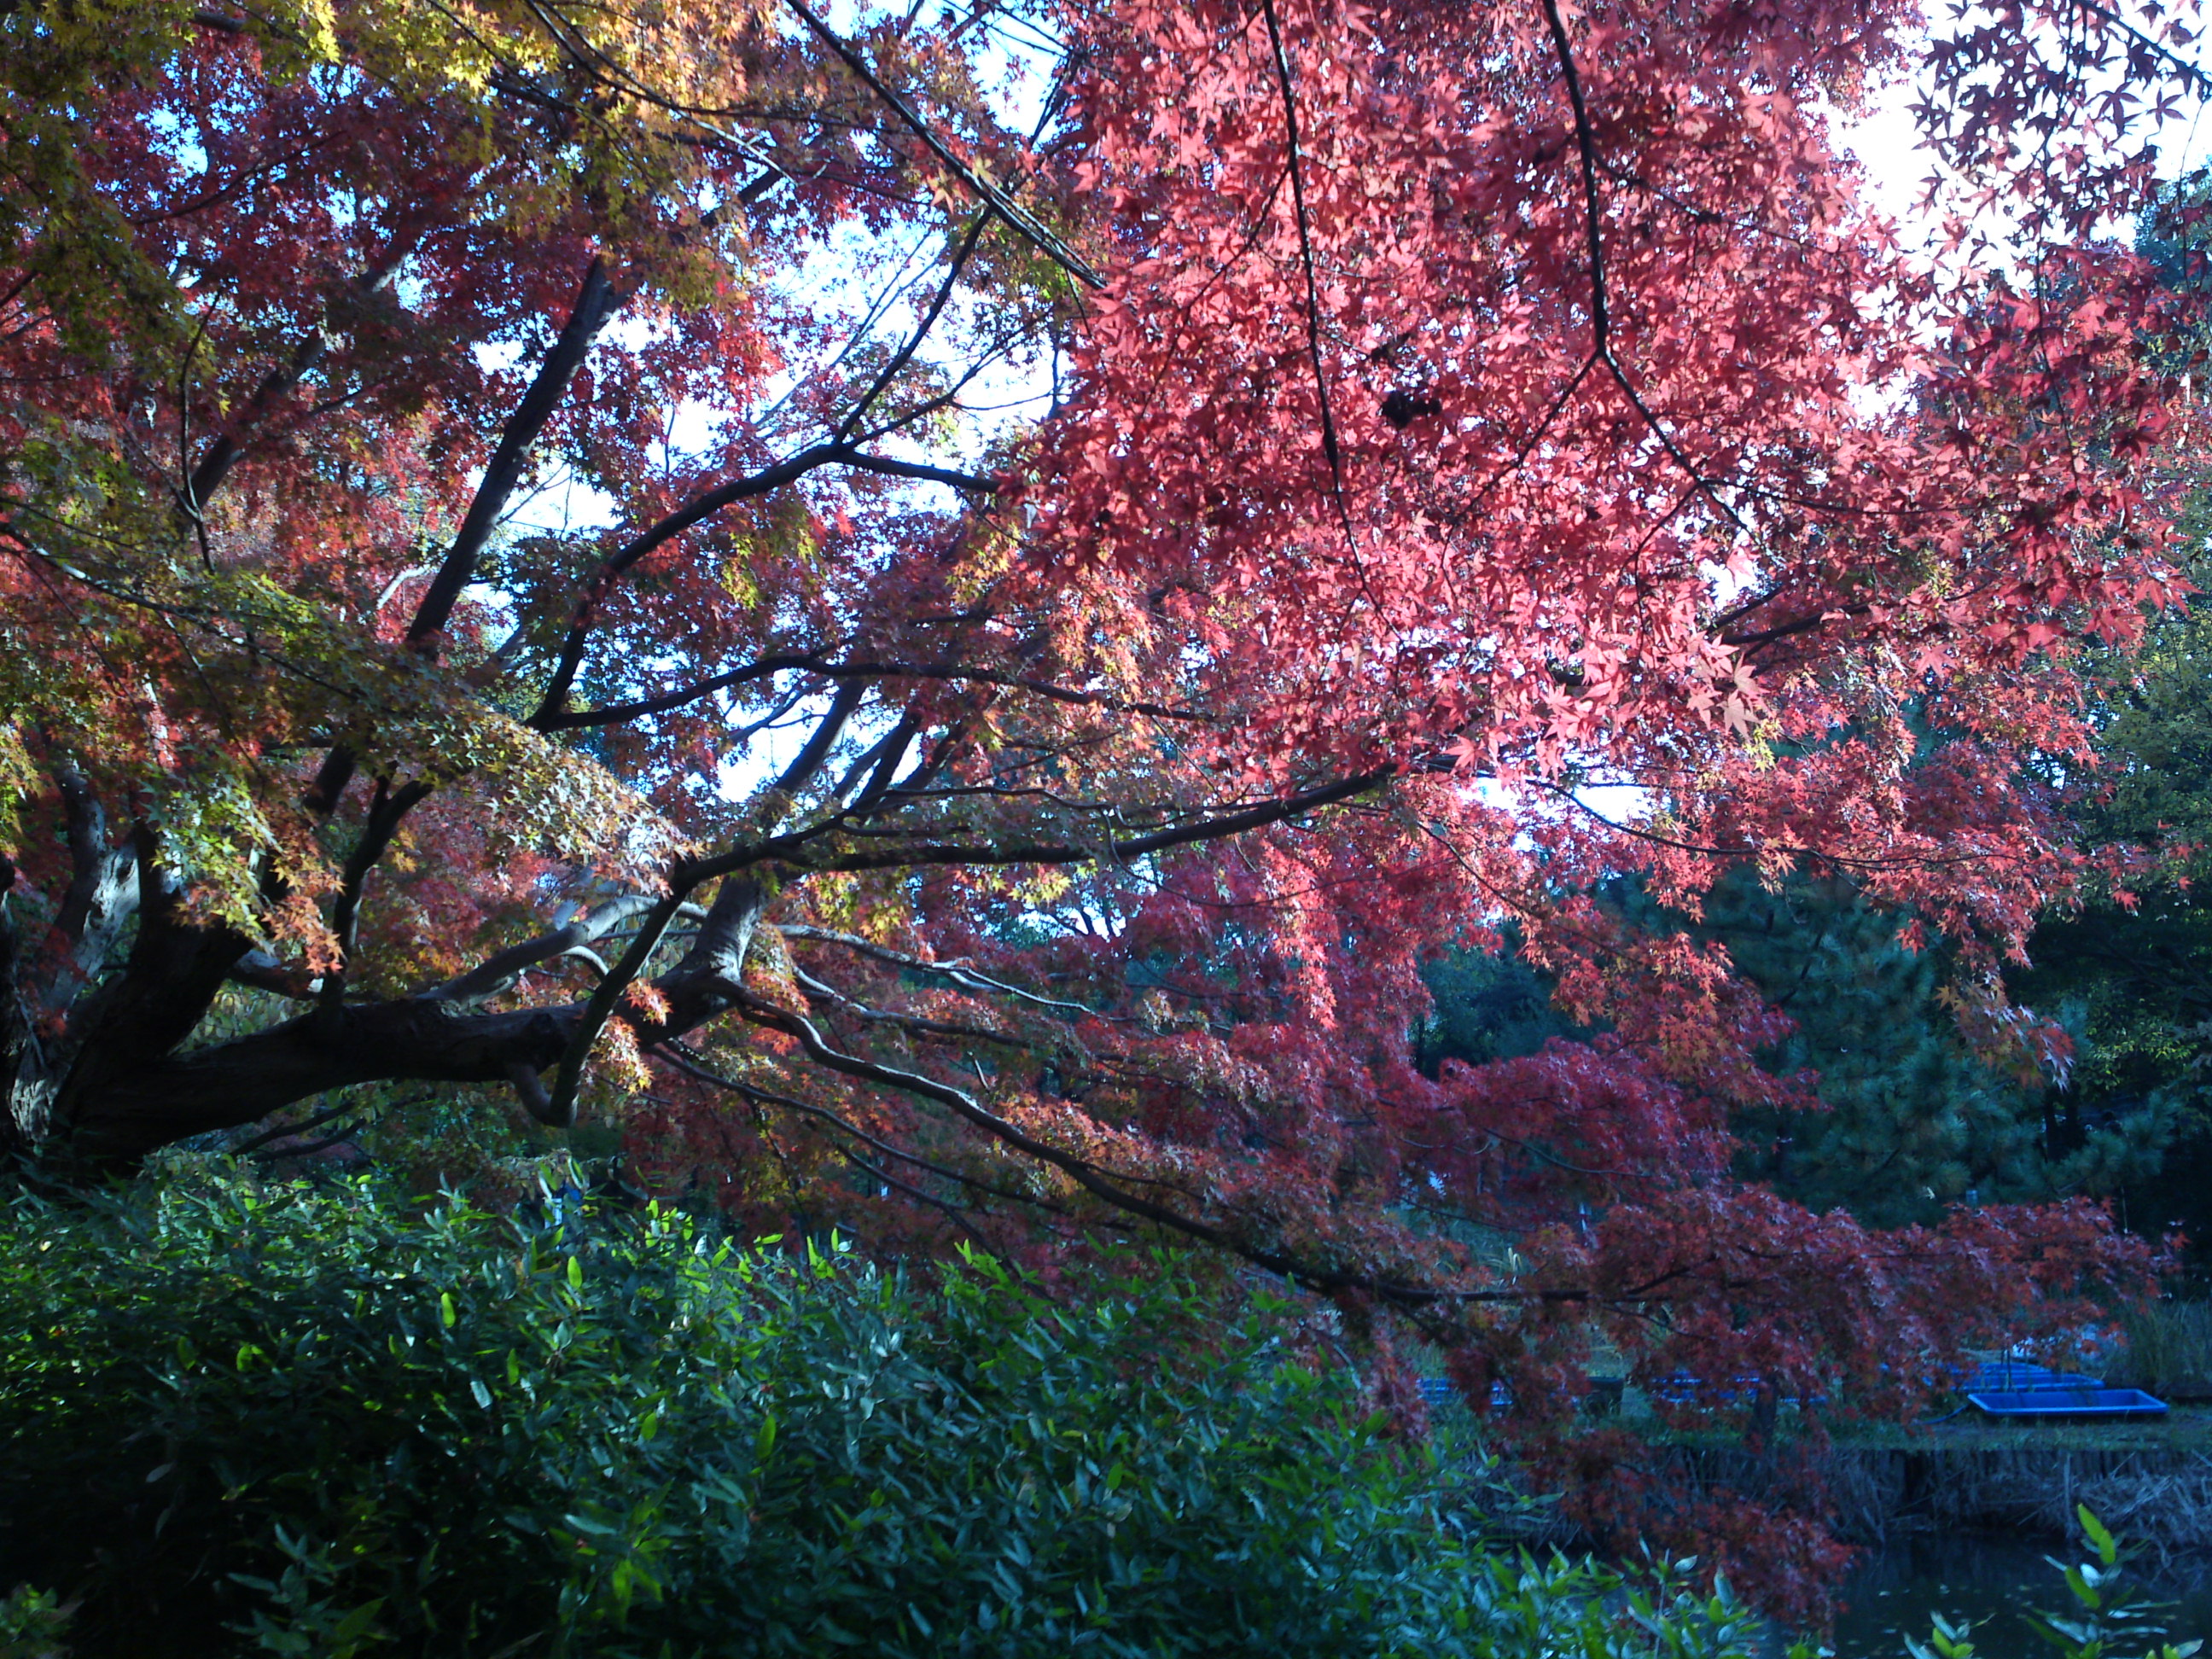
(2130, 969)
(512, 581)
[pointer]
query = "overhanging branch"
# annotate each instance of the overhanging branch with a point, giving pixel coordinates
(813, 662)
(697, 511)
(1106, 1187)
(800, 850)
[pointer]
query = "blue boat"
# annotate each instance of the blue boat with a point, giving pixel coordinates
(2017, 1376)
(1685, 1388)
(2045, 1402)
(1437, 1391)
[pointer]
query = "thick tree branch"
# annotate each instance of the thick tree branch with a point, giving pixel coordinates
(596, 301)
(154, 1097)
(717, 956)
(878, 764)
(572, 720)
(140, 1095)
(693, 986)
(157, 1100)
(263, 972)
(810, 760)
(796, 851)
(1752, 639)
(101, 896)
(172, 976)
(498, 973)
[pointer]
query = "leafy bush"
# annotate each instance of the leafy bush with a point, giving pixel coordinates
(319, 1423)
(31, 1622)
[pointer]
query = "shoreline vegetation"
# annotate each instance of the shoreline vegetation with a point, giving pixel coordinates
(2149, 1477)
(325, 1418)
(1882, 1483)
(2160, 1496)
(332, 1421)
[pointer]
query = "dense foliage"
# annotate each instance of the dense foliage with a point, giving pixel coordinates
(320, 1424)
(1906, 1104)
(2131, 970)
(682, 569)
(1919, 1110)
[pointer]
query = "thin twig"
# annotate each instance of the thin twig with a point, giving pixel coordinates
(1329, 448)
(1017, 218)
(1600, 309)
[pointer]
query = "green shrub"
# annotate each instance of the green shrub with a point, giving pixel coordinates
(319, 1423)
(31, 1624)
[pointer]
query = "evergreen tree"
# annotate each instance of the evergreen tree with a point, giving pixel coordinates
(1911, 1119)
(1489, 1005)
(2132, 968)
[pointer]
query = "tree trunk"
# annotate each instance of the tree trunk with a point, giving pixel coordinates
(138, 1108)
(130, 1092)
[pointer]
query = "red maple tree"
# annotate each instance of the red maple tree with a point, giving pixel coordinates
(1453, 411)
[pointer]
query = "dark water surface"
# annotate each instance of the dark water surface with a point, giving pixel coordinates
(1894, 1588)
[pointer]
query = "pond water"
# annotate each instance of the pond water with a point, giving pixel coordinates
(1893, 1589)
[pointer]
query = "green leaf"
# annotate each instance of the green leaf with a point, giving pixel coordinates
(346, 1637)
(2084, 1592)
(2100, 1539)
